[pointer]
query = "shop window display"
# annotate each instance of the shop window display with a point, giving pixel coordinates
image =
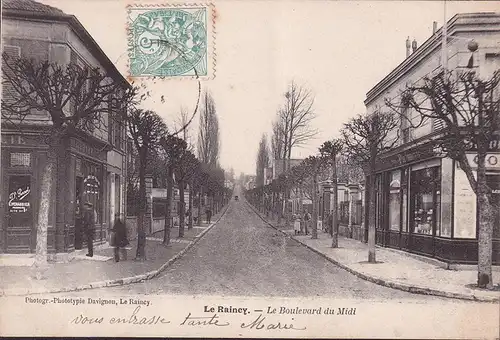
(425, 191)
(404, 199)
(395, 200)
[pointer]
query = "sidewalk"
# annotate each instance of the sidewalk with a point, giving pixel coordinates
(396, 269)
(83, 272)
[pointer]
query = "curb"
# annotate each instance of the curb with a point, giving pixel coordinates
(117, 282)
(383, 282)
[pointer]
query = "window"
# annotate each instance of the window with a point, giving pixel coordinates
(494, 183)
(395, 200)
(404, 199)
(405, 125)
(8, 92)
(20, 159)
(425, 192)
(464, 207)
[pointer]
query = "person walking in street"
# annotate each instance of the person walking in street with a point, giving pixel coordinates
(307, 220)
(89, 227)
(209, 215)
(119, 236)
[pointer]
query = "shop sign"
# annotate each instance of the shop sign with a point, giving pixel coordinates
(92, 184)
(491, 162)
(493, 146)
(19, 200)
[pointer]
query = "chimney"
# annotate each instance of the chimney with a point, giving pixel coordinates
(414, 46)
(408, 46)
(434, 27)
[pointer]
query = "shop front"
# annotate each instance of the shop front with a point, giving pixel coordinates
(78, 178)
(427, 207)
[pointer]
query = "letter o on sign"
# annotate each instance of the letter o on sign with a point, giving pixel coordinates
(492, 160)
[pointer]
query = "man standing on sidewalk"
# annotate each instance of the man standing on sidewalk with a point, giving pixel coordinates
(209, 215)
(119, 238)
(307, 220)
(89, 227)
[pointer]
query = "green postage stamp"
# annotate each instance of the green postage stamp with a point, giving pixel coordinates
(171, 41)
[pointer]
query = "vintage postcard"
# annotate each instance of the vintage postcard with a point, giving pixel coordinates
(250, 169)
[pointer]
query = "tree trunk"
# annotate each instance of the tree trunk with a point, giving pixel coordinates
(181, 209)
(371, 219)
(40, 265)
(335, 225)
(485, 224)
(168, 209)
(141, 230)
(315, 206)
(190, 217)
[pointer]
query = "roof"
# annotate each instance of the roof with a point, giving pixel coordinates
(474, 22)
(32, 10)
(31, 6)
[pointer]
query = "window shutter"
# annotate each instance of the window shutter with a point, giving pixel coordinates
(437, 124)
(8, 92)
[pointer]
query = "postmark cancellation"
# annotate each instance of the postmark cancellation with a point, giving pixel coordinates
(171, 40)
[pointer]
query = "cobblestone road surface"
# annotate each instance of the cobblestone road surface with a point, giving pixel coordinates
(242, 255)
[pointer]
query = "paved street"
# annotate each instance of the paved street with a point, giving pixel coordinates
(242, 255)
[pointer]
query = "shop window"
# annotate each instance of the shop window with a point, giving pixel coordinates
(378, 202)
(494, 184)
(395, 200)
(446, 198)
(404, 200)
(425, 190)
(464, 207)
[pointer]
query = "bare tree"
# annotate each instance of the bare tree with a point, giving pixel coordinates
(294, 124)
(208, 135)
(182, 124)
(146, 129)
(74, 98)
(277, 141)
(314, 166)
(174, 147)
(184, 171)
(262, 161)
(365, 138)
(330, 150)
(466, 107)
(296, 116)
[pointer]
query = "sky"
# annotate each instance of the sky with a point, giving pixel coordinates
(337, 49)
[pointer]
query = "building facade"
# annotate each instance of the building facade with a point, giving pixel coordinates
(90, 166)
(425, 204)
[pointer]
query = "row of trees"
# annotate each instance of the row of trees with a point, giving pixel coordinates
(291, 128)
(157, 148)
(86, 101)
(462, 104)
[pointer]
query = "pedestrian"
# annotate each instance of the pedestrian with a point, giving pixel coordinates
(119, 236)
(195, 216)
(89, 227)
(209, 215)
(296, 224)
(307, 219)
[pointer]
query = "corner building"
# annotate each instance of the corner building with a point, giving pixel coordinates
(425, 204)
(91, 166)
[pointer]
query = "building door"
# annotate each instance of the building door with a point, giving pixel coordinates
(78, 213)
(21, 234)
